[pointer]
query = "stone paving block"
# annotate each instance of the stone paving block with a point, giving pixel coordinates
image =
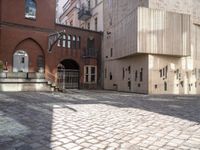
(135, 121)
(69, 145)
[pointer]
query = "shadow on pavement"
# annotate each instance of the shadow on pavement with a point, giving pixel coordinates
(26, 119)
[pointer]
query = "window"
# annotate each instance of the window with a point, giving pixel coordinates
(165, 86)
(166, 68)
(93, 74)
(111, 52)
(78, 42)
(69, 41)
(87, 74)
(161, 73)
(90, 74)
(64, 41)
(164, 72)
(136, 75)
(88, 26)
(111, 77)
(123, 74)
(141, 75)
(129, 69)
(74, 42)
(30, 9)
(96, 23)
(129, 85)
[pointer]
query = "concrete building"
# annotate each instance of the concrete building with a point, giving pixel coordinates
(152, 46)
(86, 14)
(33, 46)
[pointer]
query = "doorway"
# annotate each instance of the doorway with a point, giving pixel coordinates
(20, 61)
(68, 74)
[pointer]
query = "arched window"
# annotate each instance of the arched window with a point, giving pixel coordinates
(74, 42)
(64, 41)
(69, 40)
(30, 9)
(79, 42)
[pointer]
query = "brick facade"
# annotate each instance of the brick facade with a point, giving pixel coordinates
(31, 35)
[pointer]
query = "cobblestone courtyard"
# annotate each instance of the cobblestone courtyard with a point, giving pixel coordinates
(96, 120)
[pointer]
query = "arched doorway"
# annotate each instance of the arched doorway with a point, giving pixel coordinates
(68, 74)
(20, 61)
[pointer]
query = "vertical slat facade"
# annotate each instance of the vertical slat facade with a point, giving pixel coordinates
(162, 32)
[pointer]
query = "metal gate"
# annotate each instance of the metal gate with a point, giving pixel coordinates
(68, 79)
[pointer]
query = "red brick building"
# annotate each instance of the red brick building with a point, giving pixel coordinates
(31, 42)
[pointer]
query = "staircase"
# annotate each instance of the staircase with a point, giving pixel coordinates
(20, 81)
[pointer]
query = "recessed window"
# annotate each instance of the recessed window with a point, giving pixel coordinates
(74, 42)
(141, 75)
(160, 72)
(90, 74)
(136, 75)
(30, 9)
(129, 69)
(64, 41)
(129, 85)
(123, 73)
(111, 77)
(78, 42)
(165, 86)
(69, 41)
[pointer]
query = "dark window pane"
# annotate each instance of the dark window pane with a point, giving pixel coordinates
(92, 70)
(92, 78)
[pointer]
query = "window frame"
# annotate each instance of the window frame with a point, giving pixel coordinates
(78, 40)
(74, 41)
(26, 13)
(64, 37)
(69, 41)
(88, 74)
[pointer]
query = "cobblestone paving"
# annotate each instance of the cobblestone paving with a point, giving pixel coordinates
(98, 120)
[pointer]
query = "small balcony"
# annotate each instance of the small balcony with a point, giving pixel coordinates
(84, 14)
(90, 53)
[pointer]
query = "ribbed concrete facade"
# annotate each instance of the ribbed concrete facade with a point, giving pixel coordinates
(152, 46)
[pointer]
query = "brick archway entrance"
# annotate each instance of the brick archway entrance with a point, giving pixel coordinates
(68, 74)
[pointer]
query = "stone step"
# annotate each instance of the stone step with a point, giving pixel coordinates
(14, 85)
(22, 80)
